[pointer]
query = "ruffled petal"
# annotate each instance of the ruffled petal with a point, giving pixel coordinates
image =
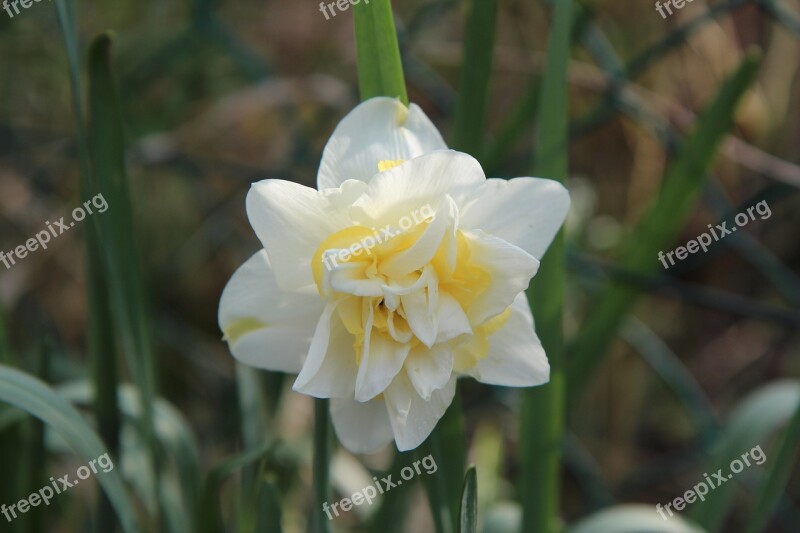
(526, 212)
(362, 427)
(429, 369)
(379, 129)
(264, 326)
(292, 221)
(516, 357)
(413, 418)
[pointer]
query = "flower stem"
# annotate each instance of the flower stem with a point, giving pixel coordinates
(321, 461)
(380, 70)
(542, 413)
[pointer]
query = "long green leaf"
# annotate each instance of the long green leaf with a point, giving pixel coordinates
(753, 423)
(118, 238)
(181, 475)
(659, 226)
(542, 412)
(35, 397)
(380, 70)
(779, 472)
(476, 70)
(468, 519)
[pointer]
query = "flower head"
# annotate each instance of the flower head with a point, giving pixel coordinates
(404, 271)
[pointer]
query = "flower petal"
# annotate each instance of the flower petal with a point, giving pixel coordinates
(264, 326)
(291, 221)
(318, 349)
(413, 418)
(526, 212)
(511, 270)
(362, 427)
(410, 187)
(516, 357)
(451, 321)
(379, 129)
(429, 369)
(381, 360)
(424, 248)
(336, 376)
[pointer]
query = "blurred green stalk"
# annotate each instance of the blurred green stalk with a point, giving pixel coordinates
(380, 70)
(542, 412)
(321, 467)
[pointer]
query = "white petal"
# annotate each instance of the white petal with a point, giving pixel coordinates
(362, 427)
(422, 251)
(336, 376)
(413, 418)
(420, 317)
(526, 212)
(377, 130)
(318, 349)
(418, 184)
(510, 267)
(291, 221)
(381, 360)
(451, 321)
(351, 278)
(516, 357)
(429, 369)
(264, 326)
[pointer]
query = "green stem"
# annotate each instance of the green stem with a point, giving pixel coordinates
(380, 70)
(542, 413)
(320, 522)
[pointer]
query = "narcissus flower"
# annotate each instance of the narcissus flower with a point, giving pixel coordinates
(404, 271)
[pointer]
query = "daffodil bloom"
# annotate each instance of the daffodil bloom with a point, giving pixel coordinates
(385, 330)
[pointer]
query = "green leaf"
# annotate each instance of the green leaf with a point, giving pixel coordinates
(753, 423)
(476, 73)
(468, 520)
(659, 226)
(633, 518)
(35, 397)
(117, 235)
(542, 411)
(181, 477)
(380, 71)
(779, 472)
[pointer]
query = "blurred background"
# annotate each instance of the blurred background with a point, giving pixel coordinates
(216, 95)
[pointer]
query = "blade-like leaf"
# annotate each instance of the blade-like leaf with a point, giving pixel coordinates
(753, 423)
(660, 224)
(36, 398)
(468, 520)
(476, 70)
(779, 472)
(542, 412)
(117, 235)
(380, 71)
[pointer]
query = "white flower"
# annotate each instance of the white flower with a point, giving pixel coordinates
(384, 330)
